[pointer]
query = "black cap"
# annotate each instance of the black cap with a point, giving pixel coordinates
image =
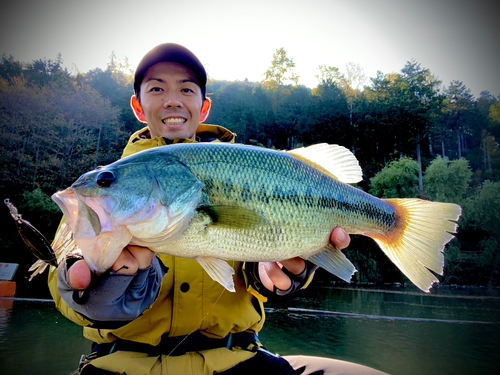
(173, 53)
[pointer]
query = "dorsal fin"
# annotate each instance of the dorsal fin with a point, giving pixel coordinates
(336, 160)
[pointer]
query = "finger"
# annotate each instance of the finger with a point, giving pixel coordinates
(79, 275)
(294, 265)
(126, 263)
(143, 255)
(264, 278)
(273, 275)
(340, 238)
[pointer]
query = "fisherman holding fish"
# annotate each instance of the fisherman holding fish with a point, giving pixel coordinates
(157, 313)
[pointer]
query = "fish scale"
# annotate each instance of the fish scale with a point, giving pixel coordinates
(220, 202)
(307, 207)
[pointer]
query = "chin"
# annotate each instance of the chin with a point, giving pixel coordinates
(173, 135)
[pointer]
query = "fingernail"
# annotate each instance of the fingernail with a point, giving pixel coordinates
(340, 235)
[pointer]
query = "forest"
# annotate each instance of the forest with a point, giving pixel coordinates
(413, 136)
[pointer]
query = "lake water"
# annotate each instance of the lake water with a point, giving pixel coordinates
(399, 332)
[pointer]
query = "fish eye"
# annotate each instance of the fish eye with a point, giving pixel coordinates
(105, 179)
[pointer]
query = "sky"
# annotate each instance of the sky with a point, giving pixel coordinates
(454, 39)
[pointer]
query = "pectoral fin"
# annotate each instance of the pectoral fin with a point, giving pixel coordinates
(218, 270)
(335, 262)
(233, 216)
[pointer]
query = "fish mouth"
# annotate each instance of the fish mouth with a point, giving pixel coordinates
(100, 240)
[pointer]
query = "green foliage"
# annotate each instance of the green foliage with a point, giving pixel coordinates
(447, 180)
(55, 126)
(452, 266)
(38, 208)
(281, 70)
(481, 213)
(495, 112)
(482, 210)
(399, 179)
(50, 135)
(349, 82)
(280, 78)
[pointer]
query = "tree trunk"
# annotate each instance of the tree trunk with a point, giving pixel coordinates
(350, 110)
(459, 144)
(442, 146)
(488, 159)
(419, 160)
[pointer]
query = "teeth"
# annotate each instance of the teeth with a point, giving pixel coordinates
(173, 121)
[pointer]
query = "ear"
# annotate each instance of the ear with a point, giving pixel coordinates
(205, 109)
(136, 107)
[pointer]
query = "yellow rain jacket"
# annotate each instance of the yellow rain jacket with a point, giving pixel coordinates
(189, 300)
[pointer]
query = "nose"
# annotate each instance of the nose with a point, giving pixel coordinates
(172, 100)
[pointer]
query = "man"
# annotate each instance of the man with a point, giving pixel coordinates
(162, 314)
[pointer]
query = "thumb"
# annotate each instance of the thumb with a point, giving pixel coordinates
(79, 275)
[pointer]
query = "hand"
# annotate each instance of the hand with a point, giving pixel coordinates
(271, 275)
(131, 259)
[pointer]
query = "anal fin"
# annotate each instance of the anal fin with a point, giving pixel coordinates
(219, 271)
(335, 262)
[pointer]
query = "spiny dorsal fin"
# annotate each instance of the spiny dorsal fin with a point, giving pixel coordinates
(336, 160)
(233, 216)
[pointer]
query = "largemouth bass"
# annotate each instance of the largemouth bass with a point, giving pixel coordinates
(218, 202)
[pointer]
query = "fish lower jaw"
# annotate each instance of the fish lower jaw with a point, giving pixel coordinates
(93, 268)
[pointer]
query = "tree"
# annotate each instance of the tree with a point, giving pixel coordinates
(421, 102)
(282, 83)
(458, 109)
(10, 68)
(494, 113)
(279, 75)
(447, 181)
(41, 72)
(116, 84)
(398, 179)
(325, 117)
(349, 82)
(281, 70)
(50, 135)
(481, 212)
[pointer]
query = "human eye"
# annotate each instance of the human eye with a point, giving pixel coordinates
(156, 89)
(189, 88)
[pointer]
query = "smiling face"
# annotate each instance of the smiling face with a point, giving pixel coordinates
(171, 101)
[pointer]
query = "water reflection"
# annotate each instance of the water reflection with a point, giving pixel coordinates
(5, 311)
(36, 338)
(406, 347)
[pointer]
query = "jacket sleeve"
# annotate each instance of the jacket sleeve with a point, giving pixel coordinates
(112, 300)
(255, 286)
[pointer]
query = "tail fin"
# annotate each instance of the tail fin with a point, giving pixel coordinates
(416, 245)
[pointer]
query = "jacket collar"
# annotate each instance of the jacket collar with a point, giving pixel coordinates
(141, 139)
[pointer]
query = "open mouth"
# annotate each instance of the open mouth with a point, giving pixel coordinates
(174, 121)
